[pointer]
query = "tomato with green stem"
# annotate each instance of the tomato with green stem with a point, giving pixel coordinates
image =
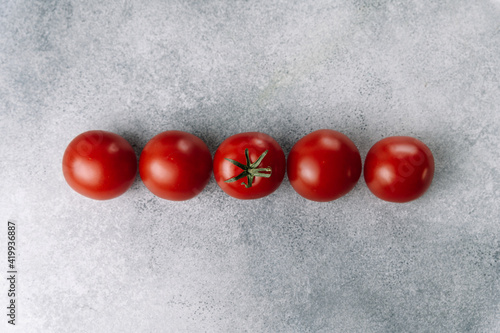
(249, 165)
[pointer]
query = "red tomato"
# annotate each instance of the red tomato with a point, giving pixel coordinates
(175, 165)
(399, 168)
(249, 165)
(324, 165)
(99, 165)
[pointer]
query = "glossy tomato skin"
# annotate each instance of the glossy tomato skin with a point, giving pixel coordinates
(234, 148)
(399, 169)
(324, 165)
(175, 165)
(100, 165)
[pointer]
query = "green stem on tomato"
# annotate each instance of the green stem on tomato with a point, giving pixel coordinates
(250, 170)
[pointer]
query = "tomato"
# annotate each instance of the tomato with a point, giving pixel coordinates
(324, 165)
(99, 165)
(249, 165)
(399, 168)
(175, 165)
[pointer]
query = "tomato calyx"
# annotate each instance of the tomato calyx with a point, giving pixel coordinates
(250, 170)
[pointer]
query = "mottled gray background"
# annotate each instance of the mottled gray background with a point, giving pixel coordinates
(371, 69)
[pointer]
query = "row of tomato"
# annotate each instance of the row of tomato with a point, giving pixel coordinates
(322, 166)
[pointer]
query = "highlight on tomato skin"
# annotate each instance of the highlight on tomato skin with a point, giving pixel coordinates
(100, 165)
(249, 165)
(324, 165)
(175, 165)
(399, 169)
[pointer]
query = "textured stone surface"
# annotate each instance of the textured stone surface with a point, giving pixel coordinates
(371, 69)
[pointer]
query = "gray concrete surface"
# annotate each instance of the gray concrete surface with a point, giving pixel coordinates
(371, 69)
